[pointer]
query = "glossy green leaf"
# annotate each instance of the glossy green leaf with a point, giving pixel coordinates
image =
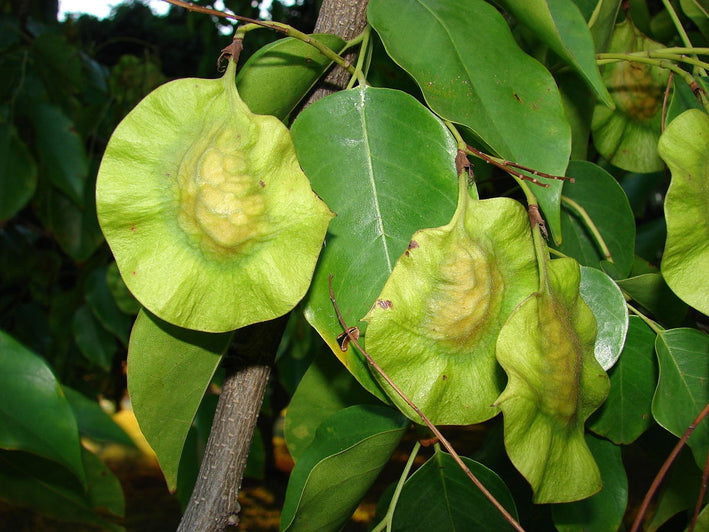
(651, 291)
(626, 414)
(94, 341)
(121, 295)
(62, 158)
(18, 172)
(386, 166)
(607, 303)
(555, 383)
(627, 135)
(200, 200)
(35, 415)
(359, 441)
(93, 422)
(277, 77)
(444, 46)
(440, 496)
(698, 11)
(682, 100)
(578, 106)
(682, 390)
(604, 511)
(560, 25)
(685, 263)
(169, 369)
(325, 389)
(104, 305)
(605, 203)
(434, 327)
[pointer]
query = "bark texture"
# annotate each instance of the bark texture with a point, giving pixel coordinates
(346, 18)
(213, 506)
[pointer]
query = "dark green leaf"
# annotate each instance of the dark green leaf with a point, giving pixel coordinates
(62, 156)
(359, 441)
(626, 414)
(279, 75)
(104, 306)
(121, 295)
(561, 26)
(602, 21)
(36, 417)
(95, 342)
(606, 301)
(651, 291)
(603, 511)
(604, 201)
(93, 422)
(445, 46)
(326, 388)
(18, 172)
(44, 486)
(372, 155)
(682, 391)
(440, 496)
(169, 369)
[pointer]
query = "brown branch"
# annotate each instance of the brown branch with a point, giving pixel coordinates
(700, 499)
(665, 467)
(666, 99)
(353, 337)
(208, 11)
(509, 167)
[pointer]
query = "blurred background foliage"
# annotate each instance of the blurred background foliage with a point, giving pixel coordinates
(64, 86)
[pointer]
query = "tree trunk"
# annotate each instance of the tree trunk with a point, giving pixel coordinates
(213, 506)
(346, 18)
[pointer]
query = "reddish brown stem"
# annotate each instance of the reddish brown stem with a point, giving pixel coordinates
(354, 341)
(509, 167)
(700, 499)
(666, 99)
(665, 467)
(208, 11)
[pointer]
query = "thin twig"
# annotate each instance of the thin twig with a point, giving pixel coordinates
(700, 499)
(665, 467)
(509, 167)
(354, 341)
(665, 99)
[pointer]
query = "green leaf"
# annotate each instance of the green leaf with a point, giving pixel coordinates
(94, 341)
(434, 327)
(371, 154)
(682, 100)
(682, 391)
(35, 416)
(359, 441)
(560, 25)
(698, 11)
(607, 303)
(685, 264)
(18, 172)
(651, 291)
(325, 389)
(626, 414)
(93, 422)
(445, 46)
(121, 295)
(440, 496)
(62, 158)
(605, 203)
(602, 20)
(627, 135)
(200, 200)
(104, 306)
(555, 383)
(44, 486)
(277, 77)
(169, 369)
(603, 511)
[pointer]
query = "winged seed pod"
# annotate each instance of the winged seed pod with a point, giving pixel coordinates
(434, 326)
(212, 222)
